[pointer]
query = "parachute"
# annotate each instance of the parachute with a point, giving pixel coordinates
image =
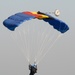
(15, 20)
(35, 37)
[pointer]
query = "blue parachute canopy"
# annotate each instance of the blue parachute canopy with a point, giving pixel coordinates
(15, 20)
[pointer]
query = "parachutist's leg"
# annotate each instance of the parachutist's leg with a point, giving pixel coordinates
(31, 73)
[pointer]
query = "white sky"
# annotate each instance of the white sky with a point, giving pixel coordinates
(60, 61)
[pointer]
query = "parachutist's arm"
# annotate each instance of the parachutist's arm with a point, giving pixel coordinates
(29, 66)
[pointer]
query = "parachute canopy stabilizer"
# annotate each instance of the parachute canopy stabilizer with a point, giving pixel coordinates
(15, 20)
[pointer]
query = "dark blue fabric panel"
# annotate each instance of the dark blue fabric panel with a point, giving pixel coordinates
(57, 24)
(11, 24)
(15, 20)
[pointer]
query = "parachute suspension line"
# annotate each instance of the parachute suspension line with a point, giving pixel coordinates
(43, 38)
(49, 48)
(14, 37)
(24, 38)
(19, 37)
(37, 40)
(40, 36)
(28, 44)
(32, 42)
(44, 43)
(42, 48)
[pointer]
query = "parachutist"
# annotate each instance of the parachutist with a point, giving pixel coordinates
(33, 69)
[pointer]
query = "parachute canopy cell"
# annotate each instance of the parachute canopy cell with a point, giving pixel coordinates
(15, 20)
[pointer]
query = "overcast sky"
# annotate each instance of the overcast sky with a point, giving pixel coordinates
(60, 61)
